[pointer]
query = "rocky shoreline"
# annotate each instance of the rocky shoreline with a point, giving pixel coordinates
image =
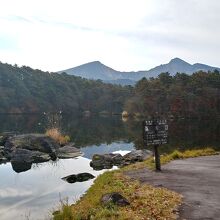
(107, 161)
(23, 150)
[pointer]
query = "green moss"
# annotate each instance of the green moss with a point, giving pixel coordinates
(96, 157)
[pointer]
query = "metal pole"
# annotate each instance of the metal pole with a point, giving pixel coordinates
(157, 158)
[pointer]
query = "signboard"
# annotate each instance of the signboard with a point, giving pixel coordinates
(155, 132)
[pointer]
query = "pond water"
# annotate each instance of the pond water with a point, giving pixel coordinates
(34, 194)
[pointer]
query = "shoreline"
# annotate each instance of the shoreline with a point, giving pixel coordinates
(144, 203)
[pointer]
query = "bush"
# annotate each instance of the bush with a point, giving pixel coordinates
(55, 134)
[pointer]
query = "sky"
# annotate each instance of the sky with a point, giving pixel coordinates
(126, 35)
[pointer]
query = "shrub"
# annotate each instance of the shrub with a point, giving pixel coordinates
(55, 134)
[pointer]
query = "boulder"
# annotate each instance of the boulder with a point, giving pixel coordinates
(81, 177)
(68, 151)
(28, 156)
(114, 198)
(117, 159)
(33, 148)
(136, 156)
(105, 161)
(3, 159)
(32, 142)
(2, 151)
(4, 136)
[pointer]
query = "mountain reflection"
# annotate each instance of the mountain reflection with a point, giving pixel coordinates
(36, 187)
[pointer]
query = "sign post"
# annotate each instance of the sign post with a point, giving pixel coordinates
(157, 158)
(155, 132)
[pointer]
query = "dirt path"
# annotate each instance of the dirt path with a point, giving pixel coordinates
(197, 179)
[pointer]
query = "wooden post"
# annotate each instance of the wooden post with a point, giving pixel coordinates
(157, 158)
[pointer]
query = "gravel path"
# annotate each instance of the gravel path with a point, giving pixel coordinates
(197, 179)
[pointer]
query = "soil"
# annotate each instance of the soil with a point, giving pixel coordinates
(197, 179)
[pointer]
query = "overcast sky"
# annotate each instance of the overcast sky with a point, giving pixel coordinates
(123, 34)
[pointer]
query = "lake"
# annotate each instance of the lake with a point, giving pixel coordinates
(34, 194)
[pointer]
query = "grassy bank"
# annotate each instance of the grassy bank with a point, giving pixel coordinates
(147, 202)
(172, 156)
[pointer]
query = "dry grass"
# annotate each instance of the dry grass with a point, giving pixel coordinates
(124, 114)
(149, 163)
(55, 134)
(147, 202)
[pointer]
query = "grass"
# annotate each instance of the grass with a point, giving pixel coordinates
(65, 212)
(55, 134)
(147, 202)
(149, 163)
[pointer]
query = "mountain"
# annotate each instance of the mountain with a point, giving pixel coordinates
(181, 66)
(93, 70)
(97, 70)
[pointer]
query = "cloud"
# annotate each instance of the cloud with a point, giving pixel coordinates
(15, 18)
(9, 192)
(126, 35)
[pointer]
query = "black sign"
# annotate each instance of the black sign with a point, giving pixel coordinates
(155, 132)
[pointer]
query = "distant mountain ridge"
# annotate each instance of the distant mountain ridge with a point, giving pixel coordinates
(97, 70)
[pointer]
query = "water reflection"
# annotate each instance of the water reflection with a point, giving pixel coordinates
(38, 189)
(94, 132)
(21, 167)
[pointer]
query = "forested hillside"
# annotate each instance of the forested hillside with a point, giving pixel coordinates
(180, 95)
(25, 90)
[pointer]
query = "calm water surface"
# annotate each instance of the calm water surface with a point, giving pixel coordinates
(35, 193)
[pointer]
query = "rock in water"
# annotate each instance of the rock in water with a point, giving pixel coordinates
(68, 151)
(3, 159)
(81, 177)
(105, 161)
(30, 148)
(28, 156)
(23, 150)
(5, 135)
(137, 156)
(117, 159)
(2, 155)
(33, 142)
(115, 198)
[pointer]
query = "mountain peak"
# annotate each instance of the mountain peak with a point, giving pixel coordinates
(98, 70)
(177, 61)
(95, 62)
(93, 70)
